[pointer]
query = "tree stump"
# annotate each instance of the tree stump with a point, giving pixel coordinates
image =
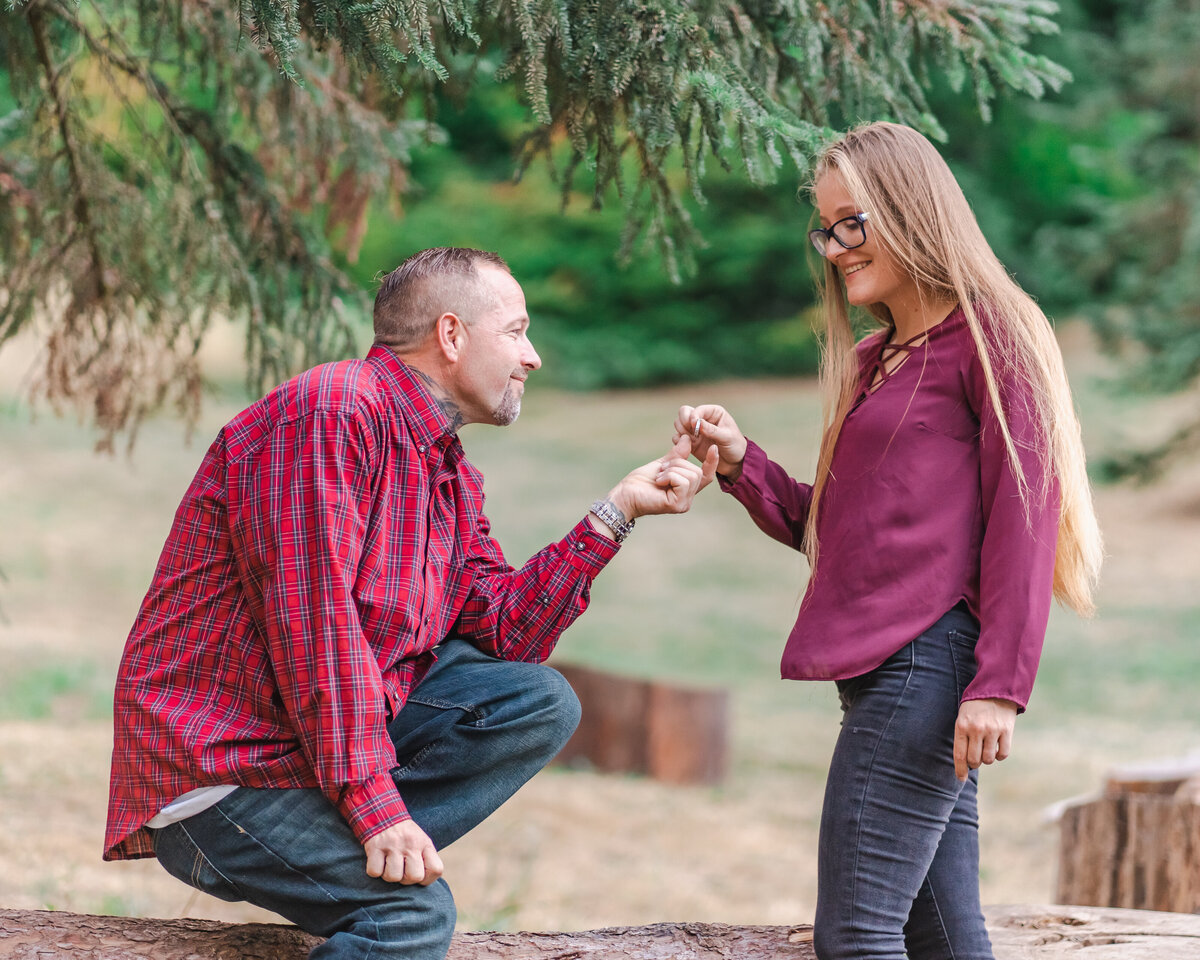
(1018, 933)
(671, 733)
(1137, 845)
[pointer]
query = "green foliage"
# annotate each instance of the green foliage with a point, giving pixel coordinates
(598, 324)
(145, 191)
(1135, 256)
(1091, 196)
(163, 163)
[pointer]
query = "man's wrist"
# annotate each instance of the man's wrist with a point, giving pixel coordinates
(618, 498)
(608, 518)
(372, 805)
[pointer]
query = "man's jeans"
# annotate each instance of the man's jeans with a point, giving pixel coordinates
(472, 732)
(898, 863)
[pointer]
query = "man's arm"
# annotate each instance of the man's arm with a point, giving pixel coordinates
(520, 614)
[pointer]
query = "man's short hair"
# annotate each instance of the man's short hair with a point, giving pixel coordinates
(427, 285)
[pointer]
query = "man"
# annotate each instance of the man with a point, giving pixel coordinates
(335, 673)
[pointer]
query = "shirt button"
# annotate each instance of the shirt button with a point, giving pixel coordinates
(543, 599)
(421, 448)
(579, 546)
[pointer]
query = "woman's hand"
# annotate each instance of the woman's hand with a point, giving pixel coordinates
(982, 734)
(708, 426)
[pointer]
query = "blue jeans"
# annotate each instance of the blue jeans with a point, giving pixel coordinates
(472, 732)
(898, 858)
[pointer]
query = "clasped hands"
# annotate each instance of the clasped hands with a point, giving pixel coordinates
(668, 484)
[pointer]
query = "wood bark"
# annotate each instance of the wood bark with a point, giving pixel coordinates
(1137, 845)
(1018, 933)
(667, 732)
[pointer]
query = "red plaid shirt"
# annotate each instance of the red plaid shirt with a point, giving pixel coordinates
(332, 536)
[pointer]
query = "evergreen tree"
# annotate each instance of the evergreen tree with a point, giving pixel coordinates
(1132, 248)
(165, 163)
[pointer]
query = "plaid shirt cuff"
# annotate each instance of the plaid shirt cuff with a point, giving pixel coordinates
(589, 551)
(373, 806)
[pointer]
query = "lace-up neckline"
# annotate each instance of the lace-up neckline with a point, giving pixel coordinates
(883, 369)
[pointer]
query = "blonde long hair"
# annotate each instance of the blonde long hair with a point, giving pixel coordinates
(920, 216)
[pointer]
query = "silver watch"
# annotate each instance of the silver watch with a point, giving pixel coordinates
(612, 518)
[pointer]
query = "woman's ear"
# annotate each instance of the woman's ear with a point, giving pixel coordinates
(451, 336)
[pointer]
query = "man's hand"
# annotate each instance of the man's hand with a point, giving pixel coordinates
(982, 734)
(403, 854)
(710, 426)
(667, 485)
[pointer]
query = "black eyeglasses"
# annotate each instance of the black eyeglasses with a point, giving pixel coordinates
(849, 232)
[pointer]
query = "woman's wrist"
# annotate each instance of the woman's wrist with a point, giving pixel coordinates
(730, 473)
(731, 469)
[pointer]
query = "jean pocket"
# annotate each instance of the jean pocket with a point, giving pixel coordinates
(963, 638)
(962, 652)
(184, 860)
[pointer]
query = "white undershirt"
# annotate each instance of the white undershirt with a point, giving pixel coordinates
(190, 804)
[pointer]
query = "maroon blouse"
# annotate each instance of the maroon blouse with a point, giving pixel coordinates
(921, 511)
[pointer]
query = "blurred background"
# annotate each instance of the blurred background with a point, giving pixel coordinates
(1089, 194)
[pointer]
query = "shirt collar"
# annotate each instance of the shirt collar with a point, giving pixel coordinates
(426, 420)
(954, 319)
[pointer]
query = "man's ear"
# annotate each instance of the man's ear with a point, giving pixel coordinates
(451, 333)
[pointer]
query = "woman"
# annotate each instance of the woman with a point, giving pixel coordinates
(950, 502)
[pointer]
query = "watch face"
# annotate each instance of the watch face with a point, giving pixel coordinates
(607, 514)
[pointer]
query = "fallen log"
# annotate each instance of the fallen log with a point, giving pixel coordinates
(1108, 933)
(1018, 933)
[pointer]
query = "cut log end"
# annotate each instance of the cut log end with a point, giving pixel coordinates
(664, 731)
(1138, 845)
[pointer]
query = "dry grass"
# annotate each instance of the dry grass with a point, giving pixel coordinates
(703, 598)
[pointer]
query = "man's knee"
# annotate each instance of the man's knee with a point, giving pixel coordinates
(411, 923)
(434, 926)
(556, 705)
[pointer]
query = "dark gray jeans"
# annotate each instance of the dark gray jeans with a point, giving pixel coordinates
(471, 734)
(898, 862)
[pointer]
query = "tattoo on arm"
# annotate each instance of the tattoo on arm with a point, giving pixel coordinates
(447, 405)
(617, 510)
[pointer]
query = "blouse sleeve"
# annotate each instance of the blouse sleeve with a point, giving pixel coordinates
(1016, 557)
(776, 502)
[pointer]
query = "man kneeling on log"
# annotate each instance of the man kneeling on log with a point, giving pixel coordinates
(335, 673)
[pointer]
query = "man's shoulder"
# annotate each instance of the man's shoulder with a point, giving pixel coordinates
(343, 388)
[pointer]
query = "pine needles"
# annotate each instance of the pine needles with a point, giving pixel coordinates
(160, 159)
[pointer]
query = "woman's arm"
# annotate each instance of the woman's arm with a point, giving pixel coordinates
(777, 503)
(1016, 571)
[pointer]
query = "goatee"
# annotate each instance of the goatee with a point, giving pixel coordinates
(508, 410)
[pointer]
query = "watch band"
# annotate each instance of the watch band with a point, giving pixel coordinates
(612, 518)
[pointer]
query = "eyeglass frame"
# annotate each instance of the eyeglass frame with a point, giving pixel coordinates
(827, 232)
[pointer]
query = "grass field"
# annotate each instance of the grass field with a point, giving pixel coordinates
(703, 599)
